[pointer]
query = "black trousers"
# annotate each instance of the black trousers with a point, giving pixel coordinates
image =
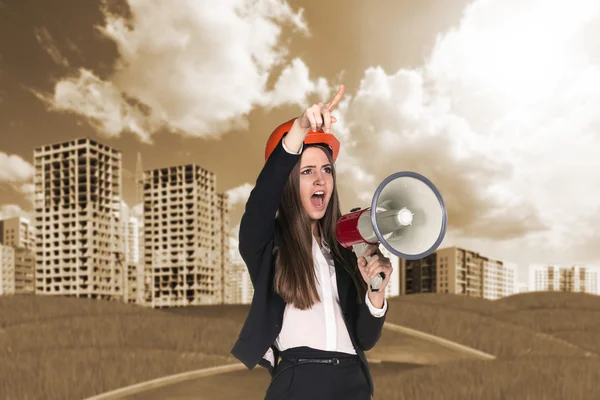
(310, 374)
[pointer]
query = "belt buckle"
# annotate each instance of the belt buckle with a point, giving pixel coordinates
(336, 361)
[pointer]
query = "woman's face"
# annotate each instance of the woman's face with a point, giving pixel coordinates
(316, 182)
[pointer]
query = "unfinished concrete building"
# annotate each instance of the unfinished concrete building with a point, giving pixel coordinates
(17, 233)
(130, 234)
(24, 271)
(78, 199)
(222, 225)
(7, 270)
(182, 237)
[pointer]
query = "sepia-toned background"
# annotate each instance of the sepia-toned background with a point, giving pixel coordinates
(495, 101)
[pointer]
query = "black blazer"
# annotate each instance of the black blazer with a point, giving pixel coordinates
(257, 238)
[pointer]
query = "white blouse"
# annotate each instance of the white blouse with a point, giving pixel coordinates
(322, 326)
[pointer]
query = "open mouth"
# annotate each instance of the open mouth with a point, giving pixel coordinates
(318, 199)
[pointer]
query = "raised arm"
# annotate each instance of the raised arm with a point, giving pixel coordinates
(257, 226)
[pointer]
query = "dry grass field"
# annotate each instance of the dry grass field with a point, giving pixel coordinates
(547, 347)
(544, 378)
(66, 348)
(499, 327)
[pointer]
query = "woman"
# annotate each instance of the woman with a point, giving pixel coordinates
(312, 316)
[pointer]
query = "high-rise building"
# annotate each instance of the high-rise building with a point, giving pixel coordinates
(142, 280)
(7, 270)
(182, 237)
(458, 271)
(222, 231)
(419, 276)
(512, 285)
(78, 235)
(564, 278)
(521, 287)
(17, 232)
(498, 278)
(238, 286)
(130, 234)
(24, 271)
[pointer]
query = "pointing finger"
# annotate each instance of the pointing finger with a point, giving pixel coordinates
(327, 120)
(336, 99)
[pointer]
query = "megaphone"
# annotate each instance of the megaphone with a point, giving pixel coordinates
(407, 215)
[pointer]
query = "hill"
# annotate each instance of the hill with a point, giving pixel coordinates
(68, 348)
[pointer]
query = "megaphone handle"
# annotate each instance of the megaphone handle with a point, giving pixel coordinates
(359, 250)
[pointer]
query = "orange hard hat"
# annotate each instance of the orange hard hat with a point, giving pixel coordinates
(312, 137)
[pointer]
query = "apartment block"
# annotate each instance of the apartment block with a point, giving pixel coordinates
(499, 278)
(130, 247)
(238, 286)
(7, 270)
(17, 232)
(183, 229)
(132, 280)
(24, 271)
(419, 276)
(564, 278)
(130, 233)
(521, 287)
(458, 271)
(78, 231)
(222, 231)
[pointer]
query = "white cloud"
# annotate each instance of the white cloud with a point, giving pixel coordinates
(14, 169)
(239, 195)
(49, 44)
(12, 210)
(234, 242)
(294, 85)
(101, 102)
(198, 68)
(502, 117)
(398, 126)
(28, 189)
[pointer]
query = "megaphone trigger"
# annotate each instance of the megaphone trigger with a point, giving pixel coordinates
(360, 250)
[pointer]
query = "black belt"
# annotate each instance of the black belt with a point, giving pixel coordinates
(298, 360)
(332, 361)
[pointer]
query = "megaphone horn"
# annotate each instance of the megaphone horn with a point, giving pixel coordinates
(407, 215)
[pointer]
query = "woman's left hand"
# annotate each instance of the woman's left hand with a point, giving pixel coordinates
(378, 263)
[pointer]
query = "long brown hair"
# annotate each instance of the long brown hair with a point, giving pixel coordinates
(294, 277)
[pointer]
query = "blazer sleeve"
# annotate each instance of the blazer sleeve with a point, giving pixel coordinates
(368, 326)
(257, 225)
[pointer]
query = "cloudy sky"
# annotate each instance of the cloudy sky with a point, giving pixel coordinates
(496, 101)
